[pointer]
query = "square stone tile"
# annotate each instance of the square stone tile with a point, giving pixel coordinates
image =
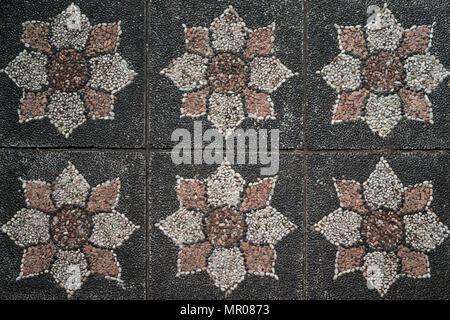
(38, 224)
(286, 199)
(62, 65)
(411, 169)
(398, 131)
(167, 43)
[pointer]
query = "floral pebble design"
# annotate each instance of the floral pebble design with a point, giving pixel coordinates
(383, 229)
(383, 73)
(228, 72)
(70, 70)
(226, 227)
(70, 230)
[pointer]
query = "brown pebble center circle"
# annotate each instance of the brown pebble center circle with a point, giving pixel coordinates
(383, 72)
(70, 228)
(227, 73)
(225, 227)
(68, 70)
(383, 230)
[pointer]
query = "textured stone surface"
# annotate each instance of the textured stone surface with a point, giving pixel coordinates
(411, 169)
(167, 43)
(323, 131)
(127, 128)
(130, 255)
(88, 220)
(287, 199)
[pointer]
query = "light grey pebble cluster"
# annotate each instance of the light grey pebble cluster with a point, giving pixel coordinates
(380, 270)
(224, 186)
(70, 187)
(111, 229)
(183, 226)
(383, 113)
(424, 72)
(226, 268)
(267, 226)
(226, 112)
(28, 70)
(28, 227)
(70, 28)
(110, 72)
(383, 31)
(424, 231)
(66, 111)
(341, 227)
(268, 73)
(228, 31)
(383, 188)
(69, 270)
(343, 73)
(187, 72)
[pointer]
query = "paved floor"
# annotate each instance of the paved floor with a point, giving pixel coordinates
(95, 95)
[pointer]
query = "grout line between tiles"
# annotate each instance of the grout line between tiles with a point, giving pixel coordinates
(147, 153)
(153, 150)
(304, 145)
(147, 226)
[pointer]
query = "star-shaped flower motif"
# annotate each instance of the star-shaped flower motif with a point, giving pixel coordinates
(383, 229)
(70, 70)
(383, 73)
(69, 230)
(228, 72)
(226, 227)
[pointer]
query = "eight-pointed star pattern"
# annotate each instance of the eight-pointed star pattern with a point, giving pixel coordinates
(70, 70)
(69, 229)
(383, 228)
(383, 73)
(228, 72)
(226, 227)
